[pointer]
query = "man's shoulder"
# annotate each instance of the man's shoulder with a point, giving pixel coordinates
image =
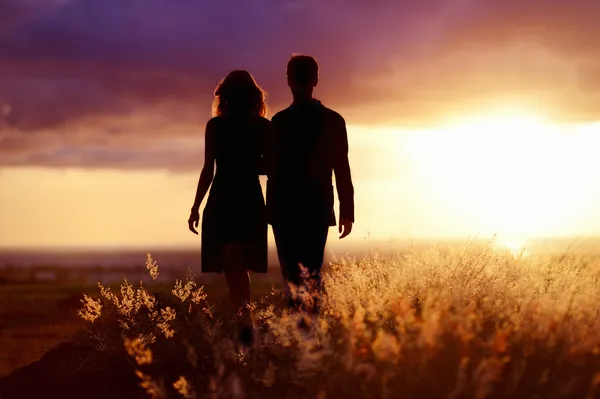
(331, 114)
(332, 117)
(288, 114)
(281, 115)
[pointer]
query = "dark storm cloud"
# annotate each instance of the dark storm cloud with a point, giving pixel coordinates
(113, 82)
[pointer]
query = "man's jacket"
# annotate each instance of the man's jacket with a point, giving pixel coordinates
(306, 145)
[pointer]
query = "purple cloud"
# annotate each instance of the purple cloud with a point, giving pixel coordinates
(97, 83)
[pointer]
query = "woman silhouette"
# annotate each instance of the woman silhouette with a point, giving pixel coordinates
(234, 224)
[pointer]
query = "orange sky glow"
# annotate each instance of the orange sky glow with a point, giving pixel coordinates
(508, 173)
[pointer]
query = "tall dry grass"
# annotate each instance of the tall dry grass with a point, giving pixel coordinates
(474, 322)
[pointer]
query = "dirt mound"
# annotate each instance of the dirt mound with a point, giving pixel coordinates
(74, 370)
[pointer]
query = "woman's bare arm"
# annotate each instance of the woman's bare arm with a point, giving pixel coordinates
(207, 174)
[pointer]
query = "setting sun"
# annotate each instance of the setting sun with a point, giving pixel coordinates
(515, 174)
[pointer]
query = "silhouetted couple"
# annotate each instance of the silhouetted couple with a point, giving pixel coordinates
(298, 151)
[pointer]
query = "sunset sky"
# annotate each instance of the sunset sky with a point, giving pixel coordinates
(464, 117)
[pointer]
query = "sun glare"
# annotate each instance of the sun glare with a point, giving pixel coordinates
(514, 245)
(512, 173)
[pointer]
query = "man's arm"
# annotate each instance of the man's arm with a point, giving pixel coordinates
(266, 143)
(271, 147)
(343, 178)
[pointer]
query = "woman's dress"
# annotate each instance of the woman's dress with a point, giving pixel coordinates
(235, 209)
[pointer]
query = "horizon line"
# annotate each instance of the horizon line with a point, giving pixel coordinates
(390, 241)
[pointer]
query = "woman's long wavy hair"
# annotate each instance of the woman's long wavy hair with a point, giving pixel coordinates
(238, 93)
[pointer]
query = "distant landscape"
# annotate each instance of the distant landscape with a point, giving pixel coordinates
(90, 265)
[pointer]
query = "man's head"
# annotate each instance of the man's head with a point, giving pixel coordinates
(302, 74)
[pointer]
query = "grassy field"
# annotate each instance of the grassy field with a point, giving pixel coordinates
(473, 322)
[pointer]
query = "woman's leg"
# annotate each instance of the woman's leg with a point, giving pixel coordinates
(238, 279)
(238, 283)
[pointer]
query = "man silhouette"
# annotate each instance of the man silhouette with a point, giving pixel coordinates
(308, 142)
